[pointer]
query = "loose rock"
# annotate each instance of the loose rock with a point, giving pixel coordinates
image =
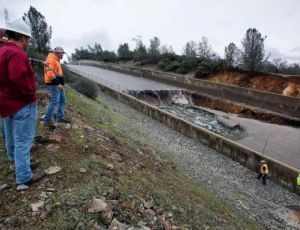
(3, 186)
(52, 170)
(116, 225)
(97, 205)
(37, 206)
(106, 217)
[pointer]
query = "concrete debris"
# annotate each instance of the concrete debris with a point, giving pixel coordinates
(228, 122)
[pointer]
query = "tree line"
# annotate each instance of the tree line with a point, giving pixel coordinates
(196, 57)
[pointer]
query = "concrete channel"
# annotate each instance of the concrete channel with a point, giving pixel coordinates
(228, 145)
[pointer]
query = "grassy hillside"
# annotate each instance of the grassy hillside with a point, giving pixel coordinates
(102, 156)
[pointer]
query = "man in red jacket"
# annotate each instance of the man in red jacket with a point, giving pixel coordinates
(2, 42)
(18, 101)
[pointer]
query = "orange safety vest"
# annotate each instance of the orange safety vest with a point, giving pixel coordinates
(264, 169)
(52, 69)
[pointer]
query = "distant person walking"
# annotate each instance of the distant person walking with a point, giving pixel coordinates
(263, 171)
(18, 107)
(54, 79)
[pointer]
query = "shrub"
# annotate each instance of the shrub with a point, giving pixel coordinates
(172, 67)
(86, 87)
(187, 65)
(163, 63)
(207, 67)
(69, 76)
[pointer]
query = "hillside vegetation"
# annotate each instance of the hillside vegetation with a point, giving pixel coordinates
(103, 158)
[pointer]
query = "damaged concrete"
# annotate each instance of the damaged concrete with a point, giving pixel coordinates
(280, 172)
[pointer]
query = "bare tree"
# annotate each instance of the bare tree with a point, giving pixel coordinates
(232, 55)
(153, 51)
(190, 49)
(140, 51)
(254, 51)
(41, 32)
(166, 49)
(204, 49)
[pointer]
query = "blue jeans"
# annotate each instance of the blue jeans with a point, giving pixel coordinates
(57, 101)
(19, 135)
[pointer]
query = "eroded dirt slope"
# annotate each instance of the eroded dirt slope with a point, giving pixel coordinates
(286, 85)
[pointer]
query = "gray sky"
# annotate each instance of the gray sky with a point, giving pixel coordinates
(111, 22)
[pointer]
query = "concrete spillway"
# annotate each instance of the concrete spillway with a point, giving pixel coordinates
(120, 81)
(255, 141)
(276, 141)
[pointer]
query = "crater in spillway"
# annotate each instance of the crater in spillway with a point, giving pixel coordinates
(180, 104)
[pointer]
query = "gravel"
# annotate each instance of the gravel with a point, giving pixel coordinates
(230, 181)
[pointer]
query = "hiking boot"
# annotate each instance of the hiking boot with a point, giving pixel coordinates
(37, 176)
(64, 120)
(34, 164)
(49, 125)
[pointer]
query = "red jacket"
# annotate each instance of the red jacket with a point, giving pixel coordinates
(17, 83)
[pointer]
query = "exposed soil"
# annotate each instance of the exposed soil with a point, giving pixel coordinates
(242, 110)
(281, 84)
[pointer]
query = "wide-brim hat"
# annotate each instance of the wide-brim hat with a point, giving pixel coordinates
(59, 49)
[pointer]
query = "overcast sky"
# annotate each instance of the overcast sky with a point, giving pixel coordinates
(174, 22)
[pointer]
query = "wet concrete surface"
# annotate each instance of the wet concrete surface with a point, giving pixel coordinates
(276, 141)
(120, 81)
